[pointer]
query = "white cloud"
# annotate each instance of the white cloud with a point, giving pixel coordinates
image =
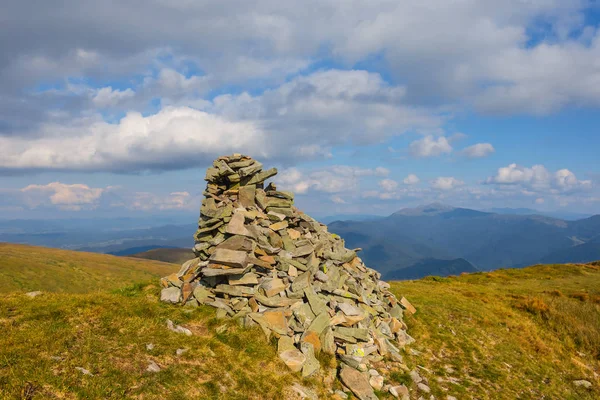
(107, 97)
(511, 56)
(334, 179)
(446, 183)
(81, 197)
(338, 200)
(146, 201)
(64, 196)
(411, 179)
(430, 147)
(388, 184)
(303, 118)
(478, 150)
(173, 138)
(539, 179)
(539, 200)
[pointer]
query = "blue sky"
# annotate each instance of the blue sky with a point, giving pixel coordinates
(365, 108)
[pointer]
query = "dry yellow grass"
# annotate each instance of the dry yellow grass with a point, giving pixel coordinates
(520, 333)
(28, 268)
(508, 334)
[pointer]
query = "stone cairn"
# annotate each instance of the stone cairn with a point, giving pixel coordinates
(261, 260)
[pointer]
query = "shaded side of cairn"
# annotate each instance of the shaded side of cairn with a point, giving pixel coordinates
(262, 261)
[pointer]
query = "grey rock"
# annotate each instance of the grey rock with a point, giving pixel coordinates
(178, 328)
(414, 375)
(232, 258)
(349, 309)
(400, 391)
(376, 382)
(423, 387)
(294, 359)
(583, 383)
(171, 295)
(153, 367)
(358, 383)
(181, 351)
(304, 392)
(236, 225)
(84, 371)
(311, 366)
(319, 324)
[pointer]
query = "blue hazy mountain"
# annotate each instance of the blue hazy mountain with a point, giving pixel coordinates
(566, 215)
(484, 239)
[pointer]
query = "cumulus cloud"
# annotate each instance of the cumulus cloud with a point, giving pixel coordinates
(388, 184)
(492, 61)
(107, 97)
(173, 138)
(303, 118)
(335, 179)
(446, 183)
(64, 196)
(146, 201)
(538, 178)
(81, 197)
(510, 56)
(478, 150)
(430, 147)
(338, 199)
(411, 179)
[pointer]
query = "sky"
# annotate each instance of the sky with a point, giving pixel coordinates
(116, 108)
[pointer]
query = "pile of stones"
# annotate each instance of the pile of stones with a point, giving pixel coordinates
(261, 260)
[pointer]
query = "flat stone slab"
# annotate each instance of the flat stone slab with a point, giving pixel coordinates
(406, 304)
(358, 383)
(171, 295)
(294, 359)
(232, 258)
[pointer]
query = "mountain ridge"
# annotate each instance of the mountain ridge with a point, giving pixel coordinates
(486, 240)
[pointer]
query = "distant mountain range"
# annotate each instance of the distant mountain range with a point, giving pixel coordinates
(417, 238)
(566, 215)
(434, 239)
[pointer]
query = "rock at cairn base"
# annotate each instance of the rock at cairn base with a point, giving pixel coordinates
(261, 260)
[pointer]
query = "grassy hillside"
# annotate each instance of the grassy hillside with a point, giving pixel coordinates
(431, 266)
(170, 255)
(46, 339)
(516, 333)
(501, 335)
(28, 268)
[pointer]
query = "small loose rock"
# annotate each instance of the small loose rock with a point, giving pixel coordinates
(153, 367)
(178, 328)
(583, 383)
(84, 371)
(181, 351)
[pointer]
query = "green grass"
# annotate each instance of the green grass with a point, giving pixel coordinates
(46, 338)
(168, 255)
(508, 334)
(27, 268)
(518, 333)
